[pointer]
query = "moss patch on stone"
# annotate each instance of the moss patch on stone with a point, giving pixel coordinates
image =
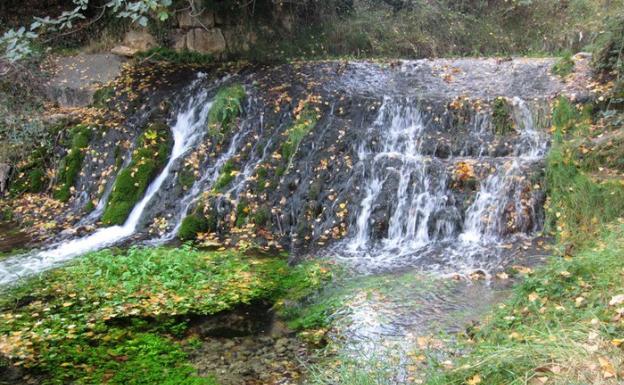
(304, 123)
(191, 226)
(148, 159)
(31, 176)
(228, 173)
(564, 66)
(226, 108)
(501, 116)
(72, 163)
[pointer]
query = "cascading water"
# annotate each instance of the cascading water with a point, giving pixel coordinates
(412, 215)
(187, 131)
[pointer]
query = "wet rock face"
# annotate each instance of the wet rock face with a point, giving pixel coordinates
(295, 169)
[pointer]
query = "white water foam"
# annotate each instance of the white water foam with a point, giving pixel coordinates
(187, 132)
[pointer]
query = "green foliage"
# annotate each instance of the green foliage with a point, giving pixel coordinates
(225, 110)
(176, 57)
(578, 205)
(148, 159)
(72, 163)
(191, 226)
(31, 176)
(102, 96)
(501, 116)
(564, 66)
(227, 175)
(304, 123)
(262, 216)
(186, 178)
(104, 318)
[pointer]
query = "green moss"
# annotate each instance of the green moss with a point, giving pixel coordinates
(564, 66)
(191, 226)
(173, 56)
(148, 159)
(304, 123)
(32, 177)
(227, 175)
(102, 96)
(262, 216)
(72, 163)
(225, 110)
(242, 212)
(501, 116)
(186, 178)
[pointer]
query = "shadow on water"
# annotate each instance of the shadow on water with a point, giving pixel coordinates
(12, 240)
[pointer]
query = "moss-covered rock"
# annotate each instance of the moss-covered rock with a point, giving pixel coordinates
(226, 109)
(304, 123)
(228, 173)
(191, 226)
(31, 176)
(502, 120)
(72, 163)
(564, 66)
(148, 159)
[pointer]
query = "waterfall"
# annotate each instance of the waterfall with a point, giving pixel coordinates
(187, 132)
(411, 214)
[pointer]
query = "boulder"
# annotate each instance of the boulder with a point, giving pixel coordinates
(205, 41)
(135, 41)
(5, 171)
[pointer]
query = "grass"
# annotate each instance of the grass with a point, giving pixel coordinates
(148, 159)
(557, 325)
(118, 317)
(564, 66)
(225, 110)
(71, 165)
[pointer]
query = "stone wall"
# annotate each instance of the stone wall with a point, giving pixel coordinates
(202, 30)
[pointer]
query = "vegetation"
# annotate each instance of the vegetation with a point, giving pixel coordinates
(152, 151)
(118, 317)
(72, 163)
(175, 57)
(501, 116)
(304, 123)
(191, 226)
(564, 66)
(227, 175)
(225, 110)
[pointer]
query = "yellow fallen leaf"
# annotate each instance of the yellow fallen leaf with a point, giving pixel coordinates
(533, 297)
(608, 371)
(476, 379)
